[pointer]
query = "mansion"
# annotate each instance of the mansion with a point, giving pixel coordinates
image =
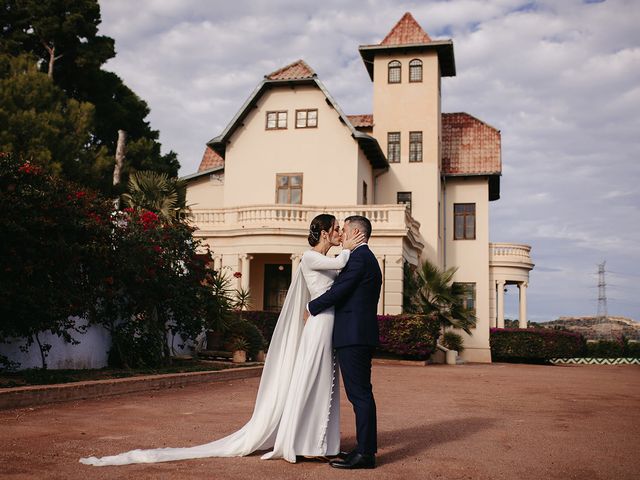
(424, 178)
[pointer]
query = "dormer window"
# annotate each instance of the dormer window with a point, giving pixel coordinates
(395, 72)
(276, 120)
(415, 70)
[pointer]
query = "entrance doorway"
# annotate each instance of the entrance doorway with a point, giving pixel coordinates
(277, 278)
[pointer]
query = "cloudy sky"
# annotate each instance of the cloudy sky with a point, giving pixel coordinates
(560, 79)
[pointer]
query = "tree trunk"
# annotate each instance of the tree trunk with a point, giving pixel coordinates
(120, 154)
(52, 57)
(42, 354)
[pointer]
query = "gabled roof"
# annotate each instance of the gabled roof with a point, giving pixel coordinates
(361, 121)
(210, 159)
(406, 31)
(408, 36)
(289, 75)
(470, 147)
(294, 71)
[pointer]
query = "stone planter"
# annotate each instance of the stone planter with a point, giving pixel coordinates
(260, 356)
(239, 356)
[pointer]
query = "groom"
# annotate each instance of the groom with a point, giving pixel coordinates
(355, 295)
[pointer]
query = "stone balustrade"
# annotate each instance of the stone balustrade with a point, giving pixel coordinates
(383, 217)
(510, 253)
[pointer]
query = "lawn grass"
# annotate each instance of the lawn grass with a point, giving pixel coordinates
(38, 376)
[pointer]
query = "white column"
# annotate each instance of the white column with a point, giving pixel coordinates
(522, 317)
(380, 259)
(500, 304)
(217, 262)
(295, 263)
(492, 305)
(245, 266)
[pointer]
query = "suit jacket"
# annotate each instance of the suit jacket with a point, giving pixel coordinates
(354, 295)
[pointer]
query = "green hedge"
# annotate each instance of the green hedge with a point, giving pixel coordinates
(408, 336)
(534, 345)
(620, 348)
(404, 336)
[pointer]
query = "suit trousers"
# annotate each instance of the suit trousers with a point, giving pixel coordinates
(355, 364)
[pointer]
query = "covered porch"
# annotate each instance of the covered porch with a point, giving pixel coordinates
(261, 246)
(509, 264)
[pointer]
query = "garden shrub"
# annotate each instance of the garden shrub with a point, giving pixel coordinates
(453, 341)
(632, 349)
(534, 345)
(246, 330)
(605, 349)
(265, 321)
(408, 336)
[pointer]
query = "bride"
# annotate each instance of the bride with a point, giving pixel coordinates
(297, 409)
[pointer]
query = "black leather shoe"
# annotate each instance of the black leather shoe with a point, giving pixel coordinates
(346, 455)
(357, 460)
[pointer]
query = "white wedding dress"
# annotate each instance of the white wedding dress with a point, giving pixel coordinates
(297, 410)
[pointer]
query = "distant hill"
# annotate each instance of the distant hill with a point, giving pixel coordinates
(594, 328)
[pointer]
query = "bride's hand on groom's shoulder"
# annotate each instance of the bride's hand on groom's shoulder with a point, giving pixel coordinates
(351, 243)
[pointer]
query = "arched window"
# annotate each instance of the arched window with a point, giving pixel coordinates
(415, 70)
(395, 69)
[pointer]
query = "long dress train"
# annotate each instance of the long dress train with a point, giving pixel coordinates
(295, 411)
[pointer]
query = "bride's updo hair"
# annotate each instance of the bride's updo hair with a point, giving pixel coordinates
(322, 223)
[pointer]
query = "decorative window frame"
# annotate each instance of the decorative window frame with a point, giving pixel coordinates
(396, 67)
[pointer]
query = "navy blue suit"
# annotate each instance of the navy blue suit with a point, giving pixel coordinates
(355, 295)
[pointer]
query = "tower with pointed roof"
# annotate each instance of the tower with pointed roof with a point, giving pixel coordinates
(406, 68)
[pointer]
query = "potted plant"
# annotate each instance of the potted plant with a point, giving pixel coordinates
(239, 348)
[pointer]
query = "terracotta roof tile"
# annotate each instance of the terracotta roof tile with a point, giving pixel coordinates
(406, 31)
(469, 146)
(361, 121)
(294, 71)
(210, 159)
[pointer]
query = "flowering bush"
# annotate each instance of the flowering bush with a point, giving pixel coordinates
(156, 286)
(408, 336)
(54, 236)
(534, 345)
(66, 254)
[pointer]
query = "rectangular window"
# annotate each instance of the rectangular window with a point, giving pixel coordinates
(365, 200)
(393, 147)
(289, 188)
(415, 146)
(469, 295)
(276, 120)
(404, 198)
(464, 221)
(307, 118)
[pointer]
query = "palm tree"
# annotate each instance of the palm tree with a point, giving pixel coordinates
(435, 294)
(158, 193)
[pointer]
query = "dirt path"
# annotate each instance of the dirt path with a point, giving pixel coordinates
(456, 422)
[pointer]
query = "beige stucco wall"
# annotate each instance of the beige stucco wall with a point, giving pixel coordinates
(327, 156)
(403, 108)
(206, 191)
(365, 174)
(472, 258)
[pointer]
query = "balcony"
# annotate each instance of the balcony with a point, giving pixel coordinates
(512, 255)
(386, 220)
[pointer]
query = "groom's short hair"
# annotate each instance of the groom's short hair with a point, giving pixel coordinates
(363, 224)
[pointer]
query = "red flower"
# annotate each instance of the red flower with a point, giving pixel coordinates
(237, 275)
(149, 220)
(80, 194)
(29, 169)
(108, 280)
(157, 248)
